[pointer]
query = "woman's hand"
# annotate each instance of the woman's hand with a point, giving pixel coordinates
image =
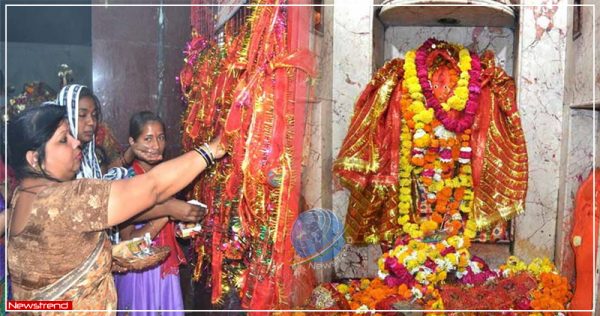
(184, 212)
(217, 148)
(149, 155)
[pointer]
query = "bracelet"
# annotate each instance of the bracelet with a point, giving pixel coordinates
(212, 155)
(204, 155)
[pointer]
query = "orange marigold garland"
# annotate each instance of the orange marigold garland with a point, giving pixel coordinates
(439, 158)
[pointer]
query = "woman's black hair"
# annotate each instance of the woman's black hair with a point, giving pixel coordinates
(138, 120)
(31, 130)
(86, 92)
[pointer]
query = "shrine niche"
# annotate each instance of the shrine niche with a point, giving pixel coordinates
(435, 148)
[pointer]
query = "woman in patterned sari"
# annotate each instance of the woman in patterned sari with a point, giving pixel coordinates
(57, 245)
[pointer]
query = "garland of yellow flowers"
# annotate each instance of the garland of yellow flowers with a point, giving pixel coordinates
(426, 152)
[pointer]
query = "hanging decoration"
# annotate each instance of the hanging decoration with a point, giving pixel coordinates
(252, 90)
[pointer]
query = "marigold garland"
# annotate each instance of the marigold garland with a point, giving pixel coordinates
(515, 285)
(439, 157)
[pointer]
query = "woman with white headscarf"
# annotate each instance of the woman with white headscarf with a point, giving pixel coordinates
(83, 111)
(83, 114)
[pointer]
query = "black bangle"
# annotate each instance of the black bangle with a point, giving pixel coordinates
(204, 155)
(209, 151)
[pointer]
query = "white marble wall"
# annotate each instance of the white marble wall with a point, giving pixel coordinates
(400, 39)
(579, 80)
(316, 175)
(578, 164)
(357, 42)
(578, 156)
(540, 93)
(353, 60)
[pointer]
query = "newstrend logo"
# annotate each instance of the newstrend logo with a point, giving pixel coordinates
(39, 305)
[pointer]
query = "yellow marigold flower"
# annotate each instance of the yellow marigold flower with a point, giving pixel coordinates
(403, 219)
(404, 161)
(411, 264)
(464, 181)
(403, 208)
(465, 207)
(428, 226)
(420, 276)
(462, 82)
(453, 101)
(471, 225)
(411, 54)
(463, 261)
(442, 276)
(445, 106)
(342, 288)
(410, 73)
(405, 198)
(412, 79)
(405, 191)
(432, 278)
(453, 241)
(413, 88)
(452, 258)
(416, 233)
(464, 65)
(470, 233)
(405, 182)
(428, 116)
(436, 186)
(466, 169)
(364, 283)
(468, 196)
(462, 93)
(438, 305)
(453, 183)
(423, 141)
(417, 106)
(416, 96)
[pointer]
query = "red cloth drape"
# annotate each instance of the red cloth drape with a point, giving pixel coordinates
(166, 237)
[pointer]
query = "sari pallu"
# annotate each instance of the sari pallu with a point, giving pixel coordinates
(367, 164)
(90, 286)
(500, 168)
